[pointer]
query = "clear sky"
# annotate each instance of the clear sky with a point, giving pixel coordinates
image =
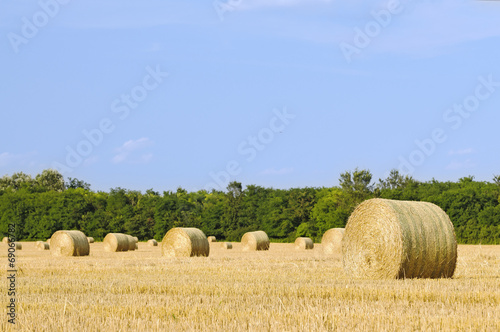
(278, 93)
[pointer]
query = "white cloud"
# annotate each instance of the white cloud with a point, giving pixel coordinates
(460, 152)
(130, 152)
(273, 171)
(8, 159)
(457, 165)
(423, 28)
(426, 28)
(93, 14)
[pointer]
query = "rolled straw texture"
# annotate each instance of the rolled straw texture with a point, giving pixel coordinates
(386, 239)
(131, 242)
(303, 243)
(185, 242)
(69, 243)
(116, 242)
(257, 240)
(332, 241)
(152, 243)
(40, 245)
(227, 245)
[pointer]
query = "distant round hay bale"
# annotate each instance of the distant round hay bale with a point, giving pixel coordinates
(227, 245)
(5, 240)
(185, 242)
(387, 239)
(90, 239)
(40, 245)
(303, 243)
(257, 240)
(48, 241)
(152, 243)
(114, 242)
(136, 239)
(69, 243)
(18, 245)
(211, 239)
(131, 242)
(332, 241)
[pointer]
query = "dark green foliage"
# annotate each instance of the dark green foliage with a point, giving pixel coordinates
(39, 207)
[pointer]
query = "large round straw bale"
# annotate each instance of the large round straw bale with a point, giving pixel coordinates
(5, 240)
(257, 240)
(185, 242)
(332, 240)
(136, 239)
(399, 239)
(90, 239)
(69, 243)
(131, 242)
(48, 241)
(136, 246)
(116, 242)
(211, 239)
(40, 245)
(152, 243)
(304, 243)
(227, 245)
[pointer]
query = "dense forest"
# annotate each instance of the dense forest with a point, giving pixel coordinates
(42, 205)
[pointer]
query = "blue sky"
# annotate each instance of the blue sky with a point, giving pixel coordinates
(278, 93)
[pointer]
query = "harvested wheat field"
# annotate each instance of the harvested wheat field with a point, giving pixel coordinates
(281, 289)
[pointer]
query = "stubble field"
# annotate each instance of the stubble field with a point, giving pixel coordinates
(279, 290)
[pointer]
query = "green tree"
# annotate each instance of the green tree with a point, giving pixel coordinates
(16, 182)
(50, 179)
(397, 186)
(496, 180)
(232, 210)
(276, 221)
(331, 211)
(119, 210)
(300, 204)
(212, 213)
(165, 214)
(357, 185)
(74, 183)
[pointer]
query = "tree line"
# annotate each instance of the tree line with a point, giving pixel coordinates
(42, 205)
